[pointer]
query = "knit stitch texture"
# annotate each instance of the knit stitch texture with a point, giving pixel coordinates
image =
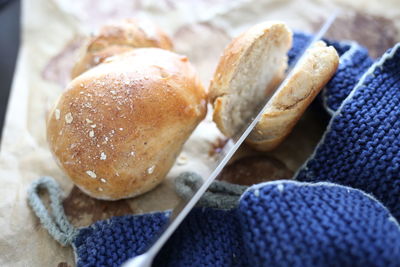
(283, 223)
(112, 242)
(207, 237)
(298, 224)
(361, 147)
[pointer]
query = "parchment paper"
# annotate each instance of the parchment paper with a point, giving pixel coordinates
(52, 32)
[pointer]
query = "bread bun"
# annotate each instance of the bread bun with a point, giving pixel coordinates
(289, 103)
(118, 128)
(250, 68)
(117, 38)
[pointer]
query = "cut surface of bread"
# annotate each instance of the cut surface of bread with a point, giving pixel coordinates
(252, 65)
(287, 105)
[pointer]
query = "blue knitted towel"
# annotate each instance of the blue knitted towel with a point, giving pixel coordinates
(282, 223)
(361, 147)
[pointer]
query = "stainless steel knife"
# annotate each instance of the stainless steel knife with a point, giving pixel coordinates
(179, 213)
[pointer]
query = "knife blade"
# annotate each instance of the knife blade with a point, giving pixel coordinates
(181, 211)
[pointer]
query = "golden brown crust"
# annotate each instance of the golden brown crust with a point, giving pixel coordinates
(118, 38)
(218, 106)
(118, 127)
(289, 103)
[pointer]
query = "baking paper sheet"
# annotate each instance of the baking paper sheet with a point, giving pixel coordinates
(52, 32)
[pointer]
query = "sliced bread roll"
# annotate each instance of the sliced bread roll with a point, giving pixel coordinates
(249, 71)
(250, 68)
(288, 104)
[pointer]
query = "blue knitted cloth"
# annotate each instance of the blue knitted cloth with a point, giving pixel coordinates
(361, 147)
(284, 223)
(289, 223)
(112, 242)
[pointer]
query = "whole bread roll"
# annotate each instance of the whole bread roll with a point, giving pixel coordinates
(117, 38)
(118, 128)
(250, 68)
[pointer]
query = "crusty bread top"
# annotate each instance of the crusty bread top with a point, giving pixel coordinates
(117, 38)
(130, 32)
(118, 127)
(250, 67)
(286, 106)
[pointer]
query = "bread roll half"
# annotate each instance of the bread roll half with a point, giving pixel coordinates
(118, 128)
(117, 38)
(287, 105)
(250, 68)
